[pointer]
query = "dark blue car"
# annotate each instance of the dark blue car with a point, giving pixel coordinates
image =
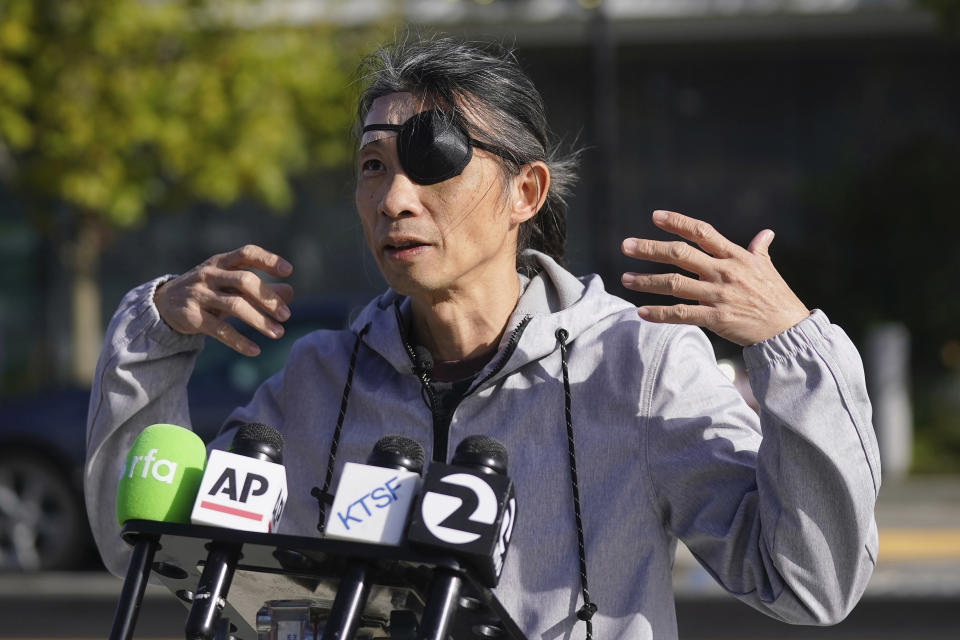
(43, 523)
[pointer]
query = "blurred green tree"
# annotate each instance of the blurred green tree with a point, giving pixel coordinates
(947, 12)
(111, 110)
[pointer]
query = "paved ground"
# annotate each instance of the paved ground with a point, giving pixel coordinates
(914, 595)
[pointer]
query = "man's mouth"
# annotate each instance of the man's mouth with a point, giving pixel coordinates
(404, 248)
(405, 244)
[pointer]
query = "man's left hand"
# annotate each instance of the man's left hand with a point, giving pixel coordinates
(741, 295)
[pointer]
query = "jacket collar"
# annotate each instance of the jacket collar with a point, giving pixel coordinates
(552, 299)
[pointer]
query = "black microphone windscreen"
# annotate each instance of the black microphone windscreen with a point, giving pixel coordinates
(397, 451)
(480, 450)
(258, 440)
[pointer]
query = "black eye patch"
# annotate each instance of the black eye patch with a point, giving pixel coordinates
(432, 147)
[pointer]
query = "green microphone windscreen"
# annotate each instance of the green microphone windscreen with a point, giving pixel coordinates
(161, 475)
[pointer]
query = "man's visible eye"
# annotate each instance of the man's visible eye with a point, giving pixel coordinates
(371, 165)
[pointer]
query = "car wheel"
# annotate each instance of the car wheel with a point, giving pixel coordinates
(42, 520)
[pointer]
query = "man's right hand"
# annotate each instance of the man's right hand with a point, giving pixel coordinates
(201, 300)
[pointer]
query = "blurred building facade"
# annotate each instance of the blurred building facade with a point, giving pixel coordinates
(734, 111)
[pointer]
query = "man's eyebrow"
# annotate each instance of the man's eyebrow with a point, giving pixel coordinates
(374, 141)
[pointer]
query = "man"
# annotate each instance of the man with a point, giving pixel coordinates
(460, 195)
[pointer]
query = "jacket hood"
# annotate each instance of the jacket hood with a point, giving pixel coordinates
(551, 300)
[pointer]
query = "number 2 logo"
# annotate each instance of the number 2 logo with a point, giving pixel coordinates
(454, 516)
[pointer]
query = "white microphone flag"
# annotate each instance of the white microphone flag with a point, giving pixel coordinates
(240, 492)
(372, 504)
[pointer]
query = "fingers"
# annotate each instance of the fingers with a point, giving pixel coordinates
(221, 330)
(255, 290)
(201, 300)
(679, 254)
(679, 314)
(671, 284)
(240, 307)
(696, 231)
(760, 245)
(249, 291)
(283, 290)
(253, 257)
(741, 295)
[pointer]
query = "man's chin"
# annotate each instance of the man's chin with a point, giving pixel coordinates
(410, 283)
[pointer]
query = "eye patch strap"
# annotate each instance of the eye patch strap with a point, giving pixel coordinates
(382, 127)
(503, 153)
(506, 155)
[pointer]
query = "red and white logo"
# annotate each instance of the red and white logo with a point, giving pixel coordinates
(239, 492)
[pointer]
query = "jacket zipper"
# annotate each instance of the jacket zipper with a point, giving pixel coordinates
(507, 352)
(441, 423)
(441, 418)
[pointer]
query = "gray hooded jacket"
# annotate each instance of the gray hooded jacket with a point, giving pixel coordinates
(778, 509)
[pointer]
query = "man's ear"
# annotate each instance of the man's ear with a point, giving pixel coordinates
(529, 191)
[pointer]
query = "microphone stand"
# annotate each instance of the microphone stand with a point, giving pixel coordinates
(134, 586)
(348, 605)
(441, 605)
(402, 576)
(214, 585)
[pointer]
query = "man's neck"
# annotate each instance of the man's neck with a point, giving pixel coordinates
(465, 323)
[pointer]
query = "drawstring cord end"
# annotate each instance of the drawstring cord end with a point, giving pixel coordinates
(586, 612)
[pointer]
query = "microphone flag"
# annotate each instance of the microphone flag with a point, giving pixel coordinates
(469, 513)
(372, 504)
(240, 492)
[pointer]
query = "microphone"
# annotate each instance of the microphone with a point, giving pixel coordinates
(373, 499)
(243, 488)
(158, 481)
(371, 505)
(468, 508)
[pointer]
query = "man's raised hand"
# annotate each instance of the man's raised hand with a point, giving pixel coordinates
(741, 295)
(201, 300)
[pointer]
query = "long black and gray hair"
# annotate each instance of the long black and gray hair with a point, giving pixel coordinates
(485, 80)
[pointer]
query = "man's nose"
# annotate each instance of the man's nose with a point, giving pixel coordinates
(401, 196)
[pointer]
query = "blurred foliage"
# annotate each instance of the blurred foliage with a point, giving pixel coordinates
(936, 447)
(947, 12)
(117, 107)
(113, 109)
(892, 256)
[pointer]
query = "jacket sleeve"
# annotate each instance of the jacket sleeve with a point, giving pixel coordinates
(141, 379)
(779, 510)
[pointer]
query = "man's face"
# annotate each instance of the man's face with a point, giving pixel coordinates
(434, 239)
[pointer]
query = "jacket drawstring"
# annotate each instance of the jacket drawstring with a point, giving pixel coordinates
(322, 494)
(324, 498)
(589, 608)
